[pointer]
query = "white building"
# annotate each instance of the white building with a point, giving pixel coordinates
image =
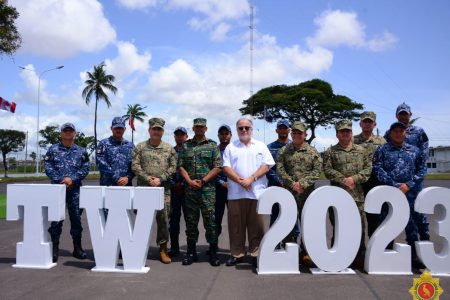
(439, 159)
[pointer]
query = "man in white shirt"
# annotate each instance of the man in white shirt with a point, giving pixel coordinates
(245, 162)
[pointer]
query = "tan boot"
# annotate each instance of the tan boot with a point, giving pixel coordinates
(163, 256)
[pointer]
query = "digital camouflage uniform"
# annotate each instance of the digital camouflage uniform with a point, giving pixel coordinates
(73, 162)
(221, 195)
(158, 161)
(301, 165)
(176, 202)
(198, 158)
(340, 163)
(395, 165)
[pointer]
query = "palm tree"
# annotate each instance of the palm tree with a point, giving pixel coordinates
(98, 80)
(136, 112)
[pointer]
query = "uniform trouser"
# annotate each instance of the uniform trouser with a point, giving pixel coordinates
(373, 220)
(203, 201)
(362, 244)
(176, 204)
(221, 201)
(242, 217)
(73, 206)
(274, 215)
(162, 221)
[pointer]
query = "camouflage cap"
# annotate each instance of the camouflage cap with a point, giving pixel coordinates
(343, 124)
(403, 107)
(397, 124)
(200, 122)
(180, 128)
(283, 122)
(118, 122)
(299, 126)
(369, 115)
(224, 127)
(156, 122)
(67, 125)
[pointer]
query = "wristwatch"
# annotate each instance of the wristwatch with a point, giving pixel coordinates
(203, 182)
(254, 177)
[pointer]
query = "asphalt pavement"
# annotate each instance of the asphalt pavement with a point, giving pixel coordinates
(72, 278)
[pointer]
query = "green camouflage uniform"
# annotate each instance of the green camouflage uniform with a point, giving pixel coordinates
(158, 161)
(371, 144)
(198, 158)
(340, 163)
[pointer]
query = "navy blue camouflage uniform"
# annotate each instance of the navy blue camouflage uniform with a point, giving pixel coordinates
(73, 162)
(407, 164)
(176, 201)
(221, 195)
(113, 160)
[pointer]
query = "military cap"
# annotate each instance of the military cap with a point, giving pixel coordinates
(403, 107)
(299, 126)
(180, 128)
(283, 122)
(156, 122)
(397, 124)
(118, 122)
(369, 115)
(343, 124)
(224, 126)
(200, 122)
(67, 125)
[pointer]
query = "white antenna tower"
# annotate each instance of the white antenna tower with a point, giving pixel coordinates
(251, 49)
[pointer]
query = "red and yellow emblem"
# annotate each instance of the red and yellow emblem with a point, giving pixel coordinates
(426, 287)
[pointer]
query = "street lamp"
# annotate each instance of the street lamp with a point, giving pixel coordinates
(39, 96)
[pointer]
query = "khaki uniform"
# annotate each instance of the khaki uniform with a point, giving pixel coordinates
(158, 161)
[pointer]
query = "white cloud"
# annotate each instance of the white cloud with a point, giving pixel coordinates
(63, 28)
(340, 28)
(138, 4)
(220, 32)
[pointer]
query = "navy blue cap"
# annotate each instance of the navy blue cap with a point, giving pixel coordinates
(224, 126)
(118, 122)
(67, 125)
(403, 107)
(180, 128)
(283, 122)
(397, 124)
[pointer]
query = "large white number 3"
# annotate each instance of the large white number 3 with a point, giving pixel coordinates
(272, 261)
(429, 200)
(377, 260)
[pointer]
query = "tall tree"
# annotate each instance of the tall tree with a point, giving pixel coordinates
(33, 156)
(86, 142)
(50, 135)
(10, 39)
(10, 141)
(134, 112)
(312, 102)
(97, 81)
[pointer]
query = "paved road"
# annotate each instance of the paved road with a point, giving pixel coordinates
(72, 278)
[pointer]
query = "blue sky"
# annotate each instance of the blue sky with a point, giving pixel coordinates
(189, 58)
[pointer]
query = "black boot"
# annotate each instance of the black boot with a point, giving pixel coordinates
(415, 260)
(174, 245)
(78, 252)
(55, 253)
(213, 259)
(191, 255)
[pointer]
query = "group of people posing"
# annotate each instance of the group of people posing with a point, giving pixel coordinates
(200, 176)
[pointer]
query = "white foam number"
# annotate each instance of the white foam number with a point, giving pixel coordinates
(272, 261)
(36, 204)
(347, 229)
(106, 235)
(429, 200)
(378, 260)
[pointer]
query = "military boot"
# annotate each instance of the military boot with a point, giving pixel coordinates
(78, 251)
(415, 260)
(174, 245)
(163, 256)
(191, 255)
(213, 259)
(55, 253)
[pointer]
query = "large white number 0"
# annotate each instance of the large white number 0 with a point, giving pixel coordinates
(379, 261)
(427, 201)
(272, 261)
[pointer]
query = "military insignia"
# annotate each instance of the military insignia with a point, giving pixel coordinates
(46, 158)
(99, 151)
(426, 287)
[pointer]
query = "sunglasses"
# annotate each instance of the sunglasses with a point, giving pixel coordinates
(242, 128)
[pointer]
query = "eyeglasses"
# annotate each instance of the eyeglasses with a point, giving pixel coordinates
(242, 128)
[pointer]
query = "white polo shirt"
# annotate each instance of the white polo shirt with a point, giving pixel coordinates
(245, 160)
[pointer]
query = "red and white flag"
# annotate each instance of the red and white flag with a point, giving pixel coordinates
(8, 106)
(131, 123)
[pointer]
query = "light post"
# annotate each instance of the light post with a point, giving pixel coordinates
(39, 96)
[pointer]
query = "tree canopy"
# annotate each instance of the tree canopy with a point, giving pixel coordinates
(312, 102)
(135, 112)
(10, 39)
(10, 141)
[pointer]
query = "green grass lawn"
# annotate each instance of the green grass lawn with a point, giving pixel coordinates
(2, 206)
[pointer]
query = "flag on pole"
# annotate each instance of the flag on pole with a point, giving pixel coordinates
(8, 106)
(267, 115)
(131, 123)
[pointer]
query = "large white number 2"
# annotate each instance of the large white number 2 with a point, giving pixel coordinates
(272, 261)
(426, 202)
(377, 260)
